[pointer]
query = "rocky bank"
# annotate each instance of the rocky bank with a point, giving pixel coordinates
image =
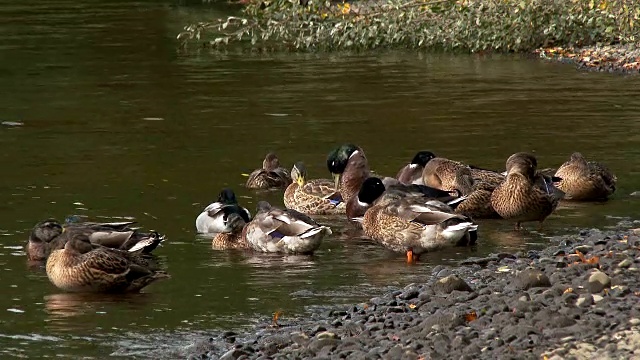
(579, 298)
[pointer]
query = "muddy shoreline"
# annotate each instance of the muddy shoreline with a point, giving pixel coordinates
(577, 298)
(619, 58)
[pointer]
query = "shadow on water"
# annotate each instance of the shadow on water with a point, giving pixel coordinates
(118, 123)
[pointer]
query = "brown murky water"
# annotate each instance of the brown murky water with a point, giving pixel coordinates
(117, 123)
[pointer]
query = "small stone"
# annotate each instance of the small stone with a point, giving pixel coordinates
(299, 338)
(597, 298)
(531, 278)
(598, 281)
(619, 291)
(584, 248)
(232, 354)
(634, 322)
(450, 283)
(625, 263)
(409, 294)
(326, 335)
(584, 301)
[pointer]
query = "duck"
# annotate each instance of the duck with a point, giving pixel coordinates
(349, 167)
(476, 203)
(49, 235)
(520, 197)
(312, 197)
(440, 173)
(81, 267)
(583, 180)
(390, 187)
(412, 172)
(234, 237)
(275, 230)
(44, 238)
(214, 217)
(270, 176)
(413, 226)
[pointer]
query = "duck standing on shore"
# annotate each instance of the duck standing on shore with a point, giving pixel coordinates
(520, 197)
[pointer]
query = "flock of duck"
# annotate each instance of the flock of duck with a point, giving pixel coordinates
(431, 203)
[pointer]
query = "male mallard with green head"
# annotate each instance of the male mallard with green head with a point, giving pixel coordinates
(585, 180)
(283, 231)
(349, 167)
(412, 172)
(411, 225)
(270, 176)
(520, 197)
(214, 218)
(81, 267)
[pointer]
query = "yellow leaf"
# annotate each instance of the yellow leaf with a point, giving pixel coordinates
(603, 5)
(412, 306)
(245, 175)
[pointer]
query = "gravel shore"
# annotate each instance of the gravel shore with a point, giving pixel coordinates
(578, 299)
(611, 58)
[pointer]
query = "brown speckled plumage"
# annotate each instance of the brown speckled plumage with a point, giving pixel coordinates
(518, 198)
(270, 176)
(585, 180)
(402, 225)
(99, 270)
(441, 174)
(234, 239)
(312, 197)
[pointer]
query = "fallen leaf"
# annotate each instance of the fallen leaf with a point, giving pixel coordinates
(471, 316)
(412, 306)
(245, 174)
(569, 290)
(276, 316)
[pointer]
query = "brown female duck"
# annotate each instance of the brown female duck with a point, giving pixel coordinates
(312, 197)
(413, 226)
(270, 176)
(440, 173)
(520, 197)
(233, 237)
(81, 267)
(49, 235)
(584, 180)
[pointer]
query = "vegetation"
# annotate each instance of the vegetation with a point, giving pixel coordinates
(463, 25)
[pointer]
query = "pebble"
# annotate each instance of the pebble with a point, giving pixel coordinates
(625, 263)
(450, 283)
(598, 281)
(531, 278)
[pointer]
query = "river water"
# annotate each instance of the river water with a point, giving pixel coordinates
(116, 122)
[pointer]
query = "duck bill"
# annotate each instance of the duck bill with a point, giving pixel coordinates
(336, 181)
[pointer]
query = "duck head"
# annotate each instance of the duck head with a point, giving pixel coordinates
(227, 196)
(523, 163)
(299, 173)
(422, 158)
(270, 162)
(46, 230)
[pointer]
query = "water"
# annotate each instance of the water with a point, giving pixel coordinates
(117, 123)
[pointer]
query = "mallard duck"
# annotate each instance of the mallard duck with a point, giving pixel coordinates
(49, 235)
(213, 219)
(44, 238)
(413, 226)
(412, 172)
(477, 196)
(349, 167)
(271, 175)
(80, 267)
(372, 187)
(440, 173)
(283, 231)
(585, 180)
(519, 197)
(234, 238)
(312, 197)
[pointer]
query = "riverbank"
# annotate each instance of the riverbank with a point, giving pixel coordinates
(576, 298)
(620, 58)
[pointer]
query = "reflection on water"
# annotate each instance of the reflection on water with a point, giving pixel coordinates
(117, 123)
